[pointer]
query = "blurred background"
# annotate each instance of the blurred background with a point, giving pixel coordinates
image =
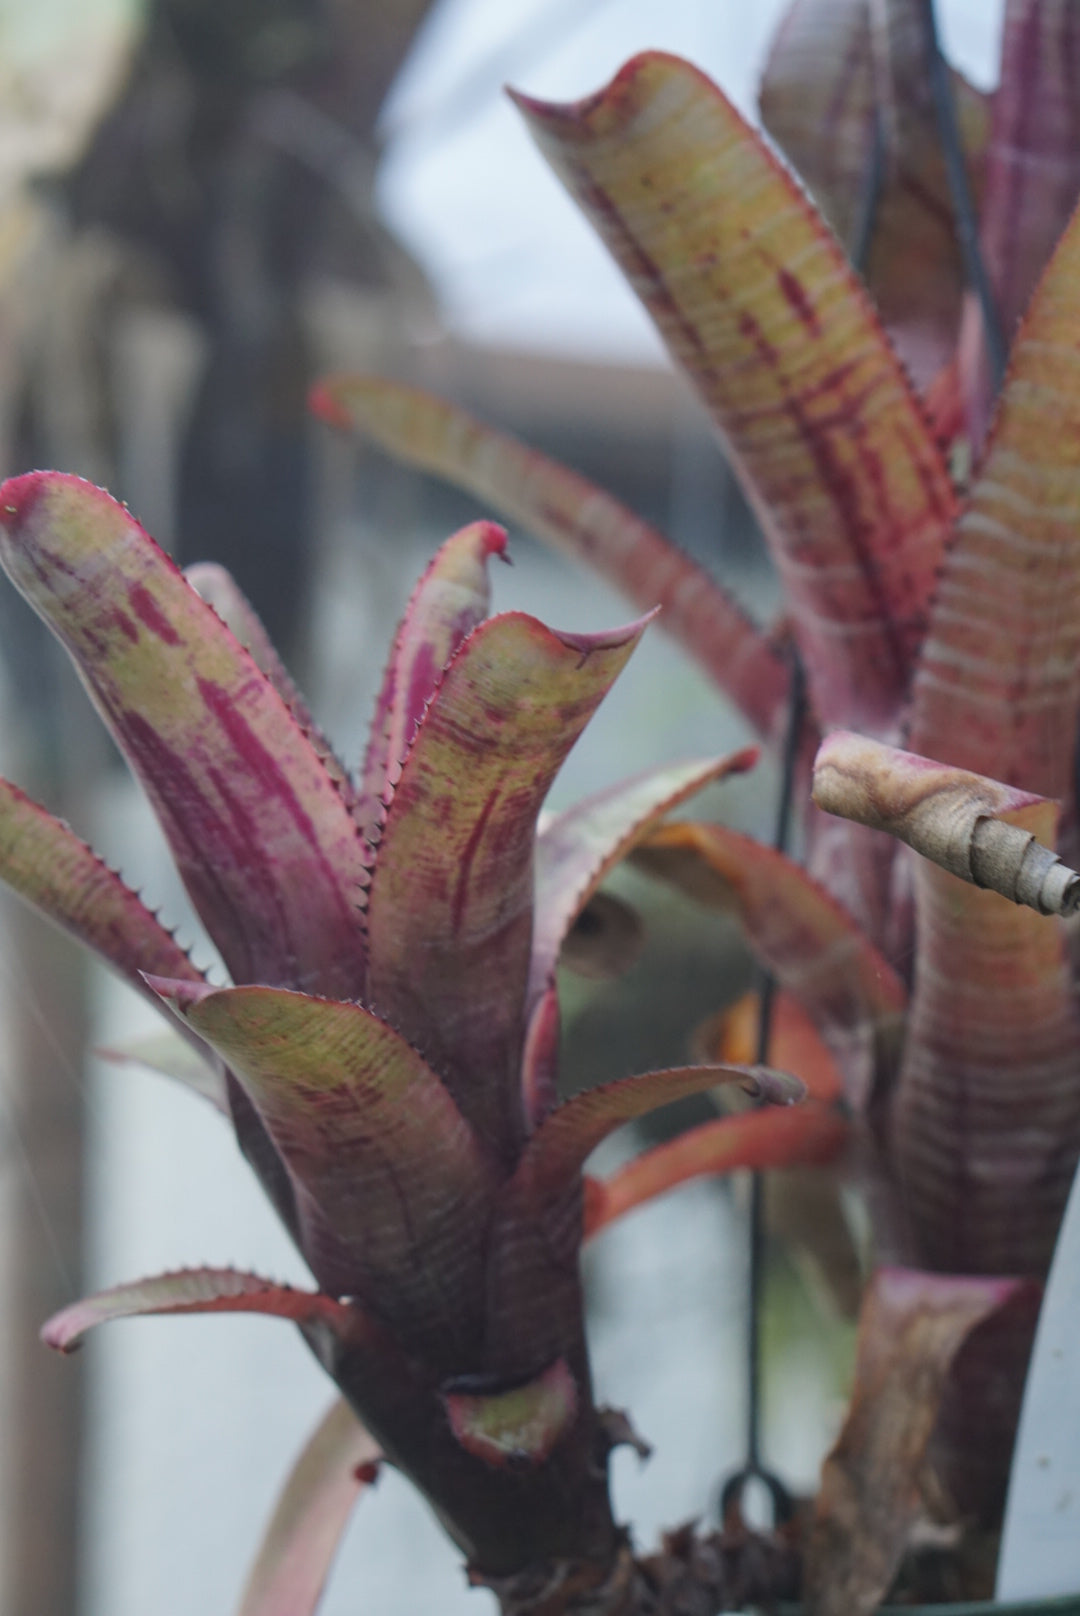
(203, 205)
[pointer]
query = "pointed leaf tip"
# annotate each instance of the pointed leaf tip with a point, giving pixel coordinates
(178, 995)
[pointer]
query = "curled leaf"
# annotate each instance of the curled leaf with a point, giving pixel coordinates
(451, 598)
(369, 1130)
(518, 1425)
(767, 1138)
(803, 937)
(197, 1290)
(961, 821)
(911, 1328)
(754, 297)
(451, 905)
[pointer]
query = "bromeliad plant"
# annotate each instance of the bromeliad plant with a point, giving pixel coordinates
(919, 609)
(387, 1051)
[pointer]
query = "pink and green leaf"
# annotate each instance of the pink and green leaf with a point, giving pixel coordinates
(754, 297)
(576, 517)
(198, 1290)
(451, 903)
(46, 864)
(801, 934)
(371, 1133)
(579, 847)
(997, 689)
(450, 600)
(337, 1463)
(217, 586)
(262, 837)
(810, 1134)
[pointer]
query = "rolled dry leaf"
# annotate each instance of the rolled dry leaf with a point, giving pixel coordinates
(972, 826)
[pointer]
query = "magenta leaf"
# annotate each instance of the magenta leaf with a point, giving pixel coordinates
(262, 837)
(220, 590)
(197, 1290)
(450, 600)
(450, 910)
(369, 1131)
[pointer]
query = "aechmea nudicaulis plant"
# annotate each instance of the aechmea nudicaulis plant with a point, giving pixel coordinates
(930, 567)
(387, 1050)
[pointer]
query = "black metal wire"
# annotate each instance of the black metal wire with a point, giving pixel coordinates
(753, 1468)
(869, 195)
(967, 226)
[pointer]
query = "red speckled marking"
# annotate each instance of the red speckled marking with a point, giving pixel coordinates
(468, 858)
(795, 295)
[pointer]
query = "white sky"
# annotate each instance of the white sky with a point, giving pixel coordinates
(464, 186)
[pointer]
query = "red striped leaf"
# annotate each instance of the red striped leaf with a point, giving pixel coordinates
(754, 297)
(450, 911)
(449, 601)
(369, 1130)
(997, 689)
(263, 839)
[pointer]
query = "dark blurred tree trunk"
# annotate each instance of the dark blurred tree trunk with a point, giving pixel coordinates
(237, 164)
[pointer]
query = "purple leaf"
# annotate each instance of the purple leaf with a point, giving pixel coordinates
(371, 1134)
(263, 839)
(450, 912)
(559, 1148)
